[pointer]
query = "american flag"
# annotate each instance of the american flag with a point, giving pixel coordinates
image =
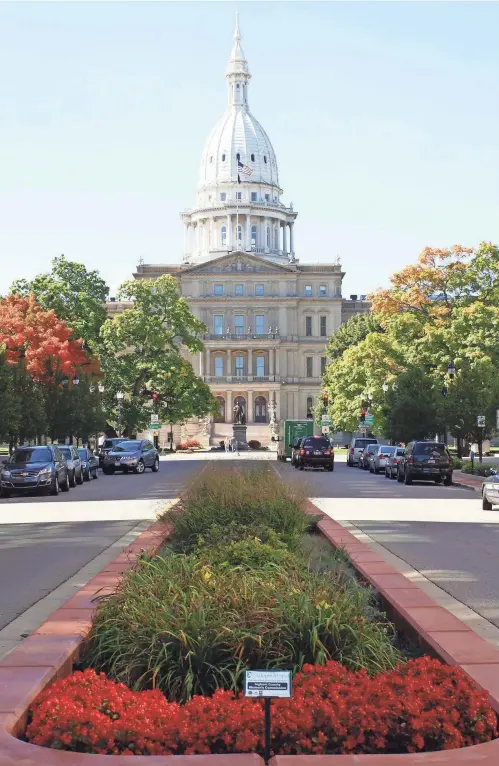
(245, 169)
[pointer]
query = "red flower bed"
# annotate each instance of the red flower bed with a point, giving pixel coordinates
(421, 706)
(193, 444)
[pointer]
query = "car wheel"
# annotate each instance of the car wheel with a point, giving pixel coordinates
(4, 492)
(407, 477)
(301, 467)
(448, 481)
(331, 467)
(79, 480)
(87, 476)
(371, 469)
(438, 480)
(155, 466)
(486, 504)
(400, 477)
(392, 475)
(108, 470)
(72, 480)
(140, 467)
(55, 486)
(387, 475)
(65, 484)
(95, 474)
(124, 468)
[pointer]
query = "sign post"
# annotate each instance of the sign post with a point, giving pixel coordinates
(480, 421)
(497, 419)
(267, 684)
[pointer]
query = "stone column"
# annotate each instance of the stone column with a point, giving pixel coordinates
(250, 362)
(249, 406)
(284, 239)
(291, 239)
(208, 362)
(271, 361)
(186, 236)
(229, 232)
(265, 227)
(277, 369)
(229, 362)
(201, 364)
(248, 233)
(278, 405)
(228, 407)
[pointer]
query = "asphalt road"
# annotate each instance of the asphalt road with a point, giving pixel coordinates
(440, 531)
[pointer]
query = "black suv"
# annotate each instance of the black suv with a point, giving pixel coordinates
(425, 460)
(315, 452)
(34, 469)
(106, 447)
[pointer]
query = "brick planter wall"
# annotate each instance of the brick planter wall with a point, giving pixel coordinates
(50, 652)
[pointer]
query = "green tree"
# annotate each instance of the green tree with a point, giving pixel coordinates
(351, 333)
(75, 294)
(143, 351)
(412, 407)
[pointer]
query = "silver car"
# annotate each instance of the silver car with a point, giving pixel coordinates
(366, 455)
(391, 462)
(379, 458)
(357, 446)
(490, 492)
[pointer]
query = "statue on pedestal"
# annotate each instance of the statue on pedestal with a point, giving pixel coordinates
(239, 418)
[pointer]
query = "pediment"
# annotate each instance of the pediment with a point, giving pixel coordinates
(243, 263)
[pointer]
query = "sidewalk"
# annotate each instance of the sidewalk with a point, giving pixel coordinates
(467, 480)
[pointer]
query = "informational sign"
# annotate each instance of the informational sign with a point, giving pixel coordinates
(325, 429)
(480, 421)
(154, 418)
(325, 420)
(369, 419)
(154, 426)
(267, 683)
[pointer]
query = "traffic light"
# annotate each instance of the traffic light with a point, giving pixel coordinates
(155, 397)
(325, 400)
(363, 416)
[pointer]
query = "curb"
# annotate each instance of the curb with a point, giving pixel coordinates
(50, 652)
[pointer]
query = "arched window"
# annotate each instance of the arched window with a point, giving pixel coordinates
(268, 236)
(238, 156)
(310, 414)
(276, 238)
(252, 158)
(220, 416)
(253, 237)
(223, 157)
(260, 409)
(265, 159)
(223, 236)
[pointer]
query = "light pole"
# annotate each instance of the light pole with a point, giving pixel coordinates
(451, 371)
(119, 396)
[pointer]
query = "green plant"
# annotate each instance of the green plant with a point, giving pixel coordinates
(479, 469)
(254, 444)
(249, 553)
(457, 463)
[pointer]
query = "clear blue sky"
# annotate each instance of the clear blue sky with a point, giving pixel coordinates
(384, 118)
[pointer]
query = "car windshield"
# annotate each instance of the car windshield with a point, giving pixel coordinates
(66, 452)
(109, 443)
(83, 454)
(316, 442)
(362, 443)
(372, 448)
(33, 455)
(387, 450)
(400, 451)
(430, 450)
(127, 447)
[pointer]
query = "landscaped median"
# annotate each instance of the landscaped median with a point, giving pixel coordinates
(242, 579)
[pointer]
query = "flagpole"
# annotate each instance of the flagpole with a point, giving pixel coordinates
(237, 214)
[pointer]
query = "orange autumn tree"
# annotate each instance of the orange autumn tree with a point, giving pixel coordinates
(39, 341)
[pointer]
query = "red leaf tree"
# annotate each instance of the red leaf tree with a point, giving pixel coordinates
(39, 340)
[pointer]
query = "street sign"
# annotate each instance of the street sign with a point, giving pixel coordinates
(267, 683)
(363, 430)
(154, 426)
(480, 421)
(369, 420)
(325, 429)
(325, 420)
(154, 418)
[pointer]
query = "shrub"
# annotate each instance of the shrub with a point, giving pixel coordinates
(249, 553)
(457, 463)
(191, 444)
(254, 444)
(423, 706)
(188, 627)
(226, 495)
(479, 469)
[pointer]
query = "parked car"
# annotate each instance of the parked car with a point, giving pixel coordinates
(392, 461)
(490, 492)
(34, 469)
(315, 452)
(75, 469)
(357, 445)
(427, 460)
(132, 455)
(107, 445)
(89, 463)
(379, 458)
(365, 456)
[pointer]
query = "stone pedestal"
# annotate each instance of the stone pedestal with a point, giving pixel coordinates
(239, 434)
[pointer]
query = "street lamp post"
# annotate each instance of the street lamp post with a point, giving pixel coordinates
(119, 396)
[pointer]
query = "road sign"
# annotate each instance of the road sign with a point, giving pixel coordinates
(363, 430)
(154, 426)
(154, 418)
(480, 421)
(267, 683)
(369, 420)
(325, 429)
(325, 420)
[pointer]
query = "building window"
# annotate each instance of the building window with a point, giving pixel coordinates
(211, 159)
(239, 195)
(260, 409)
(223, 236)
(218, 324)
(239, 233)
(309, 361)
(253, 237)
(323, 327)
(259, 289)
(323, 365)
(260, 366)
(268, 236)
(239, 366)
(219, 366)
(223, 196)
(323, 290)
(308, 289)
(239, 324)
(252, 158)
(239, 289)
(253, 196)
(218, 290)
(267, 197)
(260, 324)
(308, 327)
(310, 413)
(238, 156)
(220, 416)
(265, 159)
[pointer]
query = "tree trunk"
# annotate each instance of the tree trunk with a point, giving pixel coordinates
(480, 454)
(459, 445)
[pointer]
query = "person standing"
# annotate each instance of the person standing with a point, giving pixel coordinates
(233, 444)
(226, 443)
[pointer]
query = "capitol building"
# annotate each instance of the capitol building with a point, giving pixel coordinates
(268, 315)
